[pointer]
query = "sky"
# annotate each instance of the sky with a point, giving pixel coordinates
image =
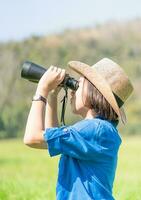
(21, 19)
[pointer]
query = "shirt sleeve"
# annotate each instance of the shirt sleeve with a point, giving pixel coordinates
(69, 141)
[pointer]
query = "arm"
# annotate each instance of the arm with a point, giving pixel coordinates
(35, 126)
(35, 123)
(51, 118)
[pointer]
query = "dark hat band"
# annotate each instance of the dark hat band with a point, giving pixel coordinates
(119, 101)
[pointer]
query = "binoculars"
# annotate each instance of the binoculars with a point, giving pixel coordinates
(34, 72)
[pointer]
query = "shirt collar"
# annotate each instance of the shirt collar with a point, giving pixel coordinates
(113, 122)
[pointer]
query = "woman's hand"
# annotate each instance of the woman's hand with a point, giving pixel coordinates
(50, 80)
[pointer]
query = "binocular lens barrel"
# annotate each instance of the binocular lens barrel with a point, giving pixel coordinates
(34, 72)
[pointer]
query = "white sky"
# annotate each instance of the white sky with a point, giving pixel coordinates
(20, 19)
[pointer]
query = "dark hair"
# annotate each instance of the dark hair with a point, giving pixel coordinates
(95, 100)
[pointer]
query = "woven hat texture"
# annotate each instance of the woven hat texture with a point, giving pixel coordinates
(110, 79)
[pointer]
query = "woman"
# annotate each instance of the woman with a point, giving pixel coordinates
(89, 148)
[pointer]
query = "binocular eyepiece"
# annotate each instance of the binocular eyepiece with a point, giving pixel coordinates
(34, 72)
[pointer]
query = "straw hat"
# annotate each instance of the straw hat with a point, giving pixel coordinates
(110, 79)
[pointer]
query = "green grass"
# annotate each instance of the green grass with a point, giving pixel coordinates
(30, 174)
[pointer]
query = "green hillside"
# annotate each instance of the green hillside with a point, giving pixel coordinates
(118, 41)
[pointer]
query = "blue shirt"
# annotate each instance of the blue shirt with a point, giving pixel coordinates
(88, 161)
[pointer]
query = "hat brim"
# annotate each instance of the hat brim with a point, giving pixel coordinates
(100, 83)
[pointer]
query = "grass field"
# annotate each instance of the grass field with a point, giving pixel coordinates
(30, 174)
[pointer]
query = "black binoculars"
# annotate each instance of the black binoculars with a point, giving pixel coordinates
(34, 72)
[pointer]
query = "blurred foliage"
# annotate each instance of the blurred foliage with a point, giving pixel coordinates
(119, 41)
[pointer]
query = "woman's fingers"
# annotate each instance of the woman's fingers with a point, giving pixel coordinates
(59, 70)
(58, 73)
(55, 69)
(63, 72)
(52, 78)
(61, 76)
(51, 68)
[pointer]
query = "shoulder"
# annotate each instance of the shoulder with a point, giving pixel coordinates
(102, 129)
(95, 123)
(86, 124)
(87, 128)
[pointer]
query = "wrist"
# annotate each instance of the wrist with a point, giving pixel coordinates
(38, 97)
(42, 92)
